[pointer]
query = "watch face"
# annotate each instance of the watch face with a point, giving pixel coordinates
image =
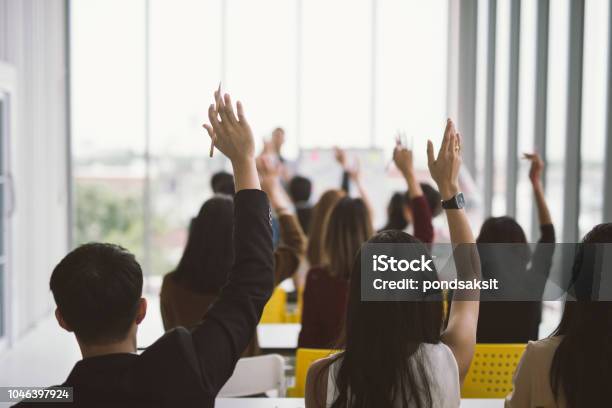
(460, 200)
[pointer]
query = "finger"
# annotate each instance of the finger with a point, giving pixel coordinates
(230, 110)
(241, 116)
(445, 138)
(458, 146)
(452, 139)
(223, 112)
(430, 154)
(214, 121)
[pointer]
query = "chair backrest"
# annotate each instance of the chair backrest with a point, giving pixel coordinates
(274, 311)
(303, 359)
(490, 375)
(256, 375)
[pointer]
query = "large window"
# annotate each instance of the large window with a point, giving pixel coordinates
(346, 73)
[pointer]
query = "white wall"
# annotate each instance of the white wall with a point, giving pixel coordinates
(33, 40)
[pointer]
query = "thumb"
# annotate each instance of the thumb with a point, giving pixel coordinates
(430, 154)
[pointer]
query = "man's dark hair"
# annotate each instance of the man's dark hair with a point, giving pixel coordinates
(222, 183)
(299, 189)
(97, 288)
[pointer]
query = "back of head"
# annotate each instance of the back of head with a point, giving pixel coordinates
(348, 228)
(395, 212)
(434, 199)
(318, 223)
(380, 366)
(209, 253)
(300, 189)
(222, 183)
(582, 365)
(97, 288)
(501, 230)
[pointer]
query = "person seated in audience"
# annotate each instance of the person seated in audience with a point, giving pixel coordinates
(300, 189)
(222, 183)
(324, 305)
(573, 367)
(207, 260)
(98, 292)
(397, 353)
(413, 205)
(351, 172)
(498, 322)
(399, 210)
(314, 246)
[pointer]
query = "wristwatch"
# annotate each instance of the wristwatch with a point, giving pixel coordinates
(454, 203)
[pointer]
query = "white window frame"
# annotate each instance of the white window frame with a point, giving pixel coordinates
(8, 93)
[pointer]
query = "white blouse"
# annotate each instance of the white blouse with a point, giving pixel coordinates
(441, 370)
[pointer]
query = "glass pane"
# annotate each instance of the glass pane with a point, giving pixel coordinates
(182, 81)
(593, 113)
(502, 72)
(411, 95)
(262, 65)
(481, 89)
(337, 61)
(526, 112)
(107, 68)
(557, 106)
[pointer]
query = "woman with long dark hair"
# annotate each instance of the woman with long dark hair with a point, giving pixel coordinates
(573, 367)
(398, 354)
(515, 321)
(209, 254)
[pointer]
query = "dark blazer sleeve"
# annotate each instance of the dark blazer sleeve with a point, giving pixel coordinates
(230, 323)
(345, 184)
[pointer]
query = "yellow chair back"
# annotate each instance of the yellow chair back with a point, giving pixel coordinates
(490, 375)
(274, 311)
(303, 360)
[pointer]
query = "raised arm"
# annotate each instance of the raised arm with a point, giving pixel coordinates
(230, 323)
(460, 334)
(423, 228)
(292, 246)
(353, 173)
(535, 176)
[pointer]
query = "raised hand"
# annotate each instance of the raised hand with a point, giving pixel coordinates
(269, 172)
(233, 137)
(340, 156)
(537, 166)
(230, 134)
(444, 169)
(402, 157)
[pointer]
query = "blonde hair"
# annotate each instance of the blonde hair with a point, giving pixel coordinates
(318, 224)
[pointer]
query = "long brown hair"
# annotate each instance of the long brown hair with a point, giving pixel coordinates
(318, 223)
(582, 365)
(349, 226)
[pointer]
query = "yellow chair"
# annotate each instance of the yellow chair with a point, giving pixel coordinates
(274, 311)
(303, 359)
(490, 375)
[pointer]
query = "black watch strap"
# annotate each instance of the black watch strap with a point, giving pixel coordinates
(454, 203)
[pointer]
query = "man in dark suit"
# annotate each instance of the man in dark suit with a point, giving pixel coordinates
(98, 289)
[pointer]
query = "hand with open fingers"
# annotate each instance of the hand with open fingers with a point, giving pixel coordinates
(402, 157)
(340, 156)
(230, 134)
(537, 166)
(444, 168)
(269, 172)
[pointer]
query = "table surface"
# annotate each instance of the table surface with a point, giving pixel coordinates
(283, 336)
(299, 403)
